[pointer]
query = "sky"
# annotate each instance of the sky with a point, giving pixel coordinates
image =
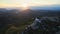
(18, 3)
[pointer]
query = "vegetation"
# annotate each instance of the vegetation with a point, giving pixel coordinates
(14, 21)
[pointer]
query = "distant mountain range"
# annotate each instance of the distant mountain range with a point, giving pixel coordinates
(51, 7)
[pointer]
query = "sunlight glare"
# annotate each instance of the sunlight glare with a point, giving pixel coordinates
(24, 6)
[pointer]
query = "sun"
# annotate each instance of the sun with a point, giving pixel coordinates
(24, 6)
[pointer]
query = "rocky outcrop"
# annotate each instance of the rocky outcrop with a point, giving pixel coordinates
(43, 25)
